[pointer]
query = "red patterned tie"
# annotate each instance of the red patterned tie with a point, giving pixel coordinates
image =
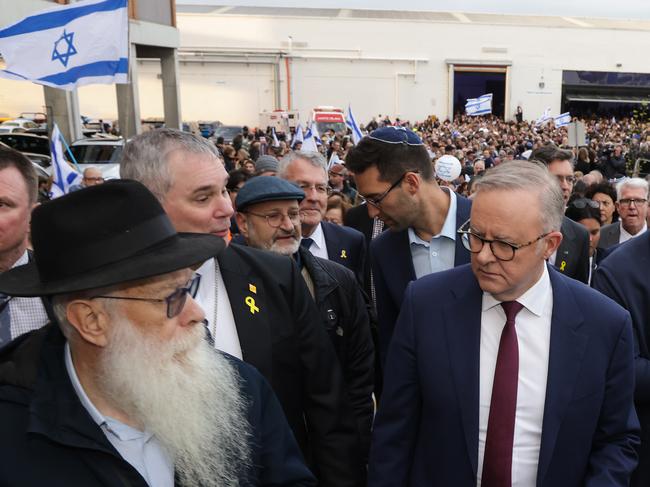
(497, 459)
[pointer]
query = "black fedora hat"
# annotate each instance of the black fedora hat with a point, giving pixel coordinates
(103, 235)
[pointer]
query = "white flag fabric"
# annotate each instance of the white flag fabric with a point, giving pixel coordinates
(479, 106)
(276, 142)
(562, 119)
(298, 137)
(352, 123)
(63, 175)
(335, 159)
(309, 142)
(82, 43)
(546, 116)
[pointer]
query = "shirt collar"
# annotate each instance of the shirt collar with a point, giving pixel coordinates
(448, 227)
(534, 300)
(318, 237)
(24, 259)
(628, 235)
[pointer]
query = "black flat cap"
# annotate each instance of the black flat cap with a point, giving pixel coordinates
(267, 188)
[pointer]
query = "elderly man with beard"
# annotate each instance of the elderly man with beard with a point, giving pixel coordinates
(269, 217)
(126, 390)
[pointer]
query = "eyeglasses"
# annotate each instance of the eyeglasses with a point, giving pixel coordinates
(94, 180)
(502, 250)
(320, 188)
(584, 203)
(568, 179)
(175, 301)
(629, 201)
(376, 202)
(275, 220)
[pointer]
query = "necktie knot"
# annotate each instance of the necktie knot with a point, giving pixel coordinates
(306, 242)
(511, 309)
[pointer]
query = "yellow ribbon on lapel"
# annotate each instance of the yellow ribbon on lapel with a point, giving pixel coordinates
(250, 302)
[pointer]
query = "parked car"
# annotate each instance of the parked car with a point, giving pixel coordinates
(207, 128)
(228, 132)
(17, 125)
(40, 162)
(103, 153)
(27, 142)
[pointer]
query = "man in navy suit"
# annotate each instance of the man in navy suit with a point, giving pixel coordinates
(343, 245)
(394, 173)
(506, 373)
(623, 276)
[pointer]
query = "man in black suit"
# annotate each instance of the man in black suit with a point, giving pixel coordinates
(326, 240)
(393, 172)
(572, 257)
(256, 303)
(268, 215)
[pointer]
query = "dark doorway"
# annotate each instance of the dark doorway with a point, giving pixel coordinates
(472, 84)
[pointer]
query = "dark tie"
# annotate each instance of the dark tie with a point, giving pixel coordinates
(5, 320)
(306, 242)
(497, 459)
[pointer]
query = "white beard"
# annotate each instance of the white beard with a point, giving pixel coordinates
(186, 394)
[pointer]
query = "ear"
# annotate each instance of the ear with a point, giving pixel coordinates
(242, 223)
(553, 241)
(90, 319)
(413, 182)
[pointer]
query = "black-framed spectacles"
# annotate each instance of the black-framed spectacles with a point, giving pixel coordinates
(275, 219)
(376, 202)
(501, 249)
(628, 201)
(175, 301)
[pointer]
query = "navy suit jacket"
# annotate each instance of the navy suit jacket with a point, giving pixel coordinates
(392, 268)
(624, 276)
(426, 430)
(346, 246)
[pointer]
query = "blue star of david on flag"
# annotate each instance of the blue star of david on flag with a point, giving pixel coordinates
(70, 49)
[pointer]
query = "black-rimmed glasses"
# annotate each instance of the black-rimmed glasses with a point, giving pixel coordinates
(376, 202)
(275, 219)
(501, 249)
(175, 301)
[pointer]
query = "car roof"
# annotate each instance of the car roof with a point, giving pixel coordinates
(102, 141)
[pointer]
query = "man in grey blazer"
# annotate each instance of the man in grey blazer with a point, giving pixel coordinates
(632, 207)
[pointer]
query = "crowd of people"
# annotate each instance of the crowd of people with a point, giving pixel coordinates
(254, 314)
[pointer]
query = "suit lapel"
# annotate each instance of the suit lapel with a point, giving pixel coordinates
(463, 329)
(249, 305)
(400, 265)
(564, 250)
(462, 215)
(567, 349)
(336, 250)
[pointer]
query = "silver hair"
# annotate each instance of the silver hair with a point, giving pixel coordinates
(313, 158)
(144, 157)
(635, 183)
(533, 177)
(60, 304)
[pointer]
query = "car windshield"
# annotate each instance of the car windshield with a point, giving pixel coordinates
(96, 153)
(26, 143)
(227, 132)
(338, 127)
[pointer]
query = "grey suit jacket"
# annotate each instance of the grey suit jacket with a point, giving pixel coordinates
(610, 235)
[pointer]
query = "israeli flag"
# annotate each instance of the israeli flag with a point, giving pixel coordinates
(276, 142)
(63, 175)
(79, 44)
(562, 119)
(479, 106)
(309, 142)
(351, 122)
(335, 159)
(546, 116)
(298, 137)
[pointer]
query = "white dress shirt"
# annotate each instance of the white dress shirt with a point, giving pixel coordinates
(625, 236)
(533, 325)
(27, 314)
(224, 330)
(318, 247)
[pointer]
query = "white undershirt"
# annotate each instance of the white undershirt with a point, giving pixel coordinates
(533, 325)
(319, 247)
(225, 334)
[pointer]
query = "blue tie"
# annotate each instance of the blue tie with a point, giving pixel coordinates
(306, 242)
(5, 320)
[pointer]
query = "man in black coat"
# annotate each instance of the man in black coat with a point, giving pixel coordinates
(257, 306)
(268, 215)
(124, 389)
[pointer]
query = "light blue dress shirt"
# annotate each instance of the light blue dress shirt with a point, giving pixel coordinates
(440, 252)
(140, 448)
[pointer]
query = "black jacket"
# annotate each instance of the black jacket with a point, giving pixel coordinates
(47, 438)
(344, 312)
(283, 340)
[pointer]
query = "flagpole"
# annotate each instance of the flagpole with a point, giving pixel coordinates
(67, 148)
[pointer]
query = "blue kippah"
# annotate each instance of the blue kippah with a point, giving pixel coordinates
(267, 188)
(396, 135)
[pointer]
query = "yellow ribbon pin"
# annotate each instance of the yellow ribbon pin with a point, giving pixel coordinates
(343, 254)
(251, 305)
(562, 265)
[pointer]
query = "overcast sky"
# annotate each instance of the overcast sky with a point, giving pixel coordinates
(619, 9)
